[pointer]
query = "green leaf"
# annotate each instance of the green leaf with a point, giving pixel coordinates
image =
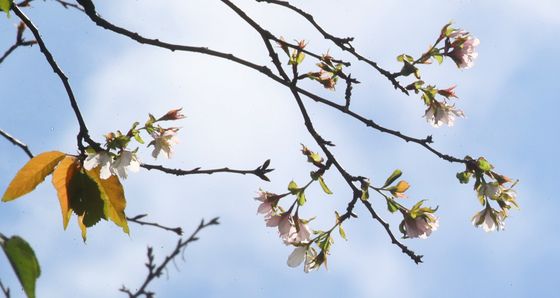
(85, 199)
(324, 186)
(301, 198)
(300, 58)
(464, 177)
(293, 187)
(5, 6)
(342, 233)
(483, 164)
(439, 58)
(394, 176)
(391, 206)
(24, 262)
(137, 137)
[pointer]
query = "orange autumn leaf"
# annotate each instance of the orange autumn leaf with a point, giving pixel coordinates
(32, 174)
(112, 193)
(60, 180)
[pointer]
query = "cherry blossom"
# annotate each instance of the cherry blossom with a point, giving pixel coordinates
(441, 113)
(102, 159)
(463, 50)
(126, 161)
(163, 141)
(489, 219)
(421, 226)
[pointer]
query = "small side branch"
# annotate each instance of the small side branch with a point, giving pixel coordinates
(137, 220)
(17, 142)
(5, 290)
(155, 271)
(416, 258)
(342, 43)
(20, 42)
(260, 171)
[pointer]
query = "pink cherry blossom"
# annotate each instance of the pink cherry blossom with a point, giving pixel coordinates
(441, 113)
(463, 50)
(420, 227)
(489, 219)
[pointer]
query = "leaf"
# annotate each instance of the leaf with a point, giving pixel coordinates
(394, 176)
(484, 165)
(5, 6)
(402, 186)
(300, 58)
(324, 186)
(438, 57)
(464, 177)
(61, 180)
(112, 194)
(391, 206)
(85, 199)
(293, 187)
(301, 198)
(342, 233)
(32, 174)
(23, 260)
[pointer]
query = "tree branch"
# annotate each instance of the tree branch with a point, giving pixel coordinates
(5, 290)
(319, 140)
(260, 171)
(83, 134)
(155, 271)
(136, 219)
(17, 142)
(416, 258)
(92, 14)
(342, 43)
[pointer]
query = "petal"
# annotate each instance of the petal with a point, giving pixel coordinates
(297, 256)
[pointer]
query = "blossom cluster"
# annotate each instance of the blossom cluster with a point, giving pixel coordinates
(490, 187)
(292, 229)
(116, 159)
(418, 221)
(460, 46)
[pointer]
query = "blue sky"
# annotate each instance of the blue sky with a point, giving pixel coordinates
(238, 118)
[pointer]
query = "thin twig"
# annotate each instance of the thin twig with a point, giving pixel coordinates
(64, 4)
(17, 142)
(260, 171)
(155, 271)
(416, 258)
(137, 219)
(5, 290)
(343, 43)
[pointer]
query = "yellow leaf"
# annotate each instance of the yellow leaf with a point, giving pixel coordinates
(61, 179)
(82, 226)
(112, 193)
(402, 186)
(32, 174)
